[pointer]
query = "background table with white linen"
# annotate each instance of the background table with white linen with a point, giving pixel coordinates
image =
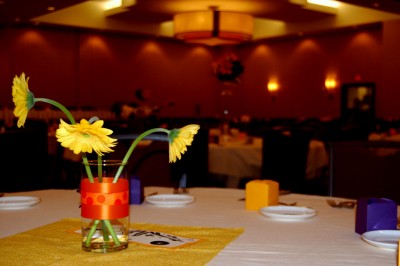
(385, 137)
(326, 239)
(237, 159)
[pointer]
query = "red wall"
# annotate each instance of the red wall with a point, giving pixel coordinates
(389, 94)
(301, 66)
(97, 69)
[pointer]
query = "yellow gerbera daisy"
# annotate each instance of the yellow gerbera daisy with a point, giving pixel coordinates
(179, 139)
(23, 99)
(85, 137)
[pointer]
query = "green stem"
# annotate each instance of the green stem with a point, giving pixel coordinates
(108, 227)
(133, 146)
(91, 232)
(73, 122)
(105, 231)
(60, 106)
(99, 171)
(87, 167)
(112, 232)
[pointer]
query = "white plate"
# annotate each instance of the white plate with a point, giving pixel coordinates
(18, 202)
(382, 238)
(291, 213)
(170, 200)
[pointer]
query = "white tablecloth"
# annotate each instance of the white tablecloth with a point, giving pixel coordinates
(385, 137)
(240, 159)
(326, 239)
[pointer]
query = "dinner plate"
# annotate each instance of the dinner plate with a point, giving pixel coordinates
(18, 202)
(291, 213)
(170, 200)
(382, 238)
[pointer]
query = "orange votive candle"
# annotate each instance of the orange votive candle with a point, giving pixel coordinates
(261, 193)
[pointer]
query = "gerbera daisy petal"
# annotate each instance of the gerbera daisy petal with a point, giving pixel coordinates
(23, 99)
(85, 137)
(179, 139)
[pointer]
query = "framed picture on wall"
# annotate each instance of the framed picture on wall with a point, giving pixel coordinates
(358, 101)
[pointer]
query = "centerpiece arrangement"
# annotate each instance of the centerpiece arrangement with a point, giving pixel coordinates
(104, 184)
(228, 68)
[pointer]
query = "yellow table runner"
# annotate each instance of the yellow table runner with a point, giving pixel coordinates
(54, 244)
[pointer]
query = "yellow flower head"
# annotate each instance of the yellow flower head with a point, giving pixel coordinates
(85, 137)
(179, 139)
(23, 99)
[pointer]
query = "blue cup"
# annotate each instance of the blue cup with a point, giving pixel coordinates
(375, 214)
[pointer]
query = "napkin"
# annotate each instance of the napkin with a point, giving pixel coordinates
(56, 244)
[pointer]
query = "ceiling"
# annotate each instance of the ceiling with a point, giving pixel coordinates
(273, 18)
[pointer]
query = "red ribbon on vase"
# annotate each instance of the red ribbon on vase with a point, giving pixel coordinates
(105, 200)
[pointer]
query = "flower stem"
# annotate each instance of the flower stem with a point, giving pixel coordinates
(87, 167)
(133, 146)
(105, 231)
(73, 122)
(106, 226)
(99, 169)
(60, 106)
(112, 232)
(91, 232)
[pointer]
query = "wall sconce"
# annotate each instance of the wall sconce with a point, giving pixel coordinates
(330, 86)
(273, 88)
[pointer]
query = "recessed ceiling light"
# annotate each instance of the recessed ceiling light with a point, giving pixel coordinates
(51, 8)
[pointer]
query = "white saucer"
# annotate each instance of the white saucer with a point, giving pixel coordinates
(289, 213)
(382, 238)
(17, 202)
(170, 200)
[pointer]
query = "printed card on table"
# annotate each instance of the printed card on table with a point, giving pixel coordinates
(160, 239)
(157, 239)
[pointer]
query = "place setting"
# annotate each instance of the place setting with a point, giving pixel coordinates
(17, 202)
(169, 200)
(375, 228)
(288, 213)
(263, 196)
(388, 239)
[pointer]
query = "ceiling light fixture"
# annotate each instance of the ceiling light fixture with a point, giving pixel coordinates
(329, 3)
(213, 27)
(110, 4)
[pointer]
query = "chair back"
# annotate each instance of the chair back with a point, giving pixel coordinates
(151, 164)
(194, 163)
(284, 158)
(24, 158)
(365, 169)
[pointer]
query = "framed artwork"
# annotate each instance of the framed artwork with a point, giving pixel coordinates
(358, 101)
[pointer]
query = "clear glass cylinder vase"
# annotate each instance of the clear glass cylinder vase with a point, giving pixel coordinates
(104, 206)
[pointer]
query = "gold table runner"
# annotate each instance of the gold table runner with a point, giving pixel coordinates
(54, 244)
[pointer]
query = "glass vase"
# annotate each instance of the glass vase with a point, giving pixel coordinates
(104, 206)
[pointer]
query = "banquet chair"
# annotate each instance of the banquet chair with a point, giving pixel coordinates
(364, 169)
(148, 161)
(194, 163)
(284, 158)
(24, 158)
(150, 165)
